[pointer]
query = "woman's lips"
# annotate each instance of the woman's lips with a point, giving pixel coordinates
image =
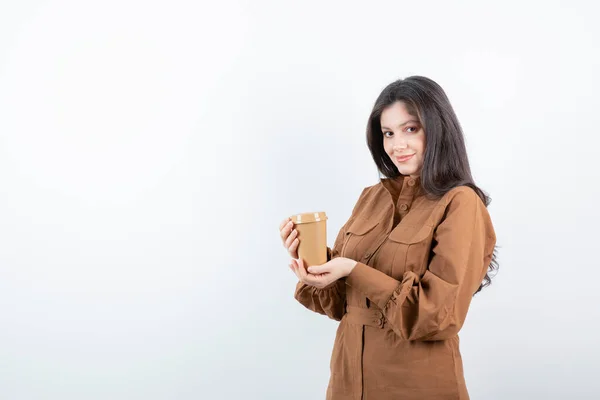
(404, 158)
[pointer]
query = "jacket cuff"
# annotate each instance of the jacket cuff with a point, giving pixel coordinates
(375, 285)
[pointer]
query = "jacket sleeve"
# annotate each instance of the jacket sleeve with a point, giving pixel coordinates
(330, 300)
(434, 306)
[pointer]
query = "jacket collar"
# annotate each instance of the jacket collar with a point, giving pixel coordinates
(403, 185)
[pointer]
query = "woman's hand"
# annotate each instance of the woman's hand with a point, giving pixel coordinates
(288, 236)
(323, 275)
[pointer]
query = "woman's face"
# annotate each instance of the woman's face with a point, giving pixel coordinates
(403, 139)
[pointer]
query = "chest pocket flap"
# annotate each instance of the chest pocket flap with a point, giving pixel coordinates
(411, 234)
(361, 226)
(359, 238)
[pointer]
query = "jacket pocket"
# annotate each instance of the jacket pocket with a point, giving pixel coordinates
(359, 237)
(410, 234)
(413, 248)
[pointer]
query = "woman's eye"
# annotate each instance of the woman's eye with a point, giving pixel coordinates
(384, 133)
(411, 127)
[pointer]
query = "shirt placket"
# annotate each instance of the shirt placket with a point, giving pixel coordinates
(405, 200)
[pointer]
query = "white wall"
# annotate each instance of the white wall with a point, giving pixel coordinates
(149, 150)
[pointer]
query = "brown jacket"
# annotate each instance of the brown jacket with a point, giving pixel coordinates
(419, 263)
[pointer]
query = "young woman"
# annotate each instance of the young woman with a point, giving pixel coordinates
(405, 266)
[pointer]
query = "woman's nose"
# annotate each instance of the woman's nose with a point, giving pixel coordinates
(399, 146)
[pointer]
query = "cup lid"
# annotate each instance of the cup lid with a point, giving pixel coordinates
(308, 217)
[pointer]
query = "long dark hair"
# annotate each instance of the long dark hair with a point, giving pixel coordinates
(445, 164)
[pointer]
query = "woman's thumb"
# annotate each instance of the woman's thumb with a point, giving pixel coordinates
(315, 269)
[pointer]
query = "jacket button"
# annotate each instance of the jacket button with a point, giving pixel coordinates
(411, 182)
(404, 207)
(367, 255)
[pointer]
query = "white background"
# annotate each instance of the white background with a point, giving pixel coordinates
(149, 150)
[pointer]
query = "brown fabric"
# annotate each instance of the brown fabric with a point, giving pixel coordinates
(401, 308)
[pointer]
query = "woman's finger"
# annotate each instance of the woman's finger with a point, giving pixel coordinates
(290, 239)
(293, 249)
(304, 276)
(283, 223)
(286, 230)
(319, 269)
(295, 268)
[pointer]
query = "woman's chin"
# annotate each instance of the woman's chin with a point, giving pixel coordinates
(407, 171)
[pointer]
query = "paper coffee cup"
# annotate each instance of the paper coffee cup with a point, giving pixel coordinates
(312, 235)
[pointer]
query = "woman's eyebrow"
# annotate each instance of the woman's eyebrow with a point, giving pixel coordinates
(402, 124)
